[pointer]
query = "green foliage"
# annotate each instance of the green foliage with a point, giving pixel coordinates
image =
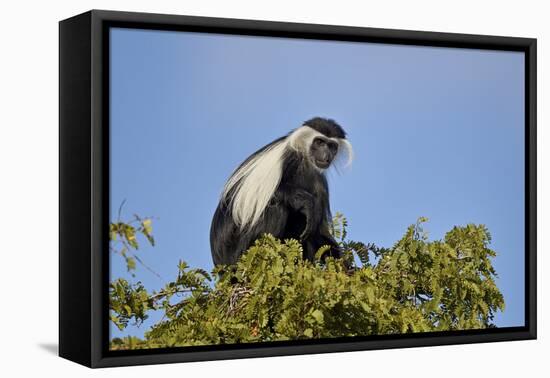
(124, 240)
(273, 294)
(128, 301)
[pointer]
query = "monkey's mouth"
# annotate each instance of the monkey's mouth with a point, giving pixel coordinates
(323, 164)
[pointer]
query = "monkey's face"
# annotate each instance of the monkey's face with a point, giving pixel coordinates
(323, 151)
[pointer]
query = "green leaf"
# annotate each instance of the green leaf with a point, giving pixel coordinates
(318, 315)
(370, 294)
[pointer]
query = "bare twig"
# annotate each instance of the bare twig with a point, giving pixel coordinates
(120, 209)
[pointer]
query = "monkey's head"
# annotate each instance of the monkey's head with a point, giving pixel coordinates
(320, 143)
(323, 151)
(321, 140)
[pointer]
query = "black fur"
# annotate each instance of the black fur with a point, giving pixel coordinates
(327, 127)
(299, 208)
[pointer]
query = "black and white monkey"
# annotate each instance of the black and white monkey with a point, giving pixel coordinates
(281, 189)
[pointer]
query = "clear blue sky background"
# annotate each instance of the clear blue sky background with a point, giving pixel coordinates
(437, 132)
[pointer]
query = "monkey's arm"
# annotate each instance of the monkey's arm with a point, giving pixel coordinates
(304, 202)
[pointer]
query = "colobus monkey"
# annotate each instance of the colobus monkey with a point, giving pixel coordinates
(281, 189)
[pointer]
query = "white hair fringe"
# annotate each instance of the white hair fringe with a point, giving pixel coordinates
(250, 188)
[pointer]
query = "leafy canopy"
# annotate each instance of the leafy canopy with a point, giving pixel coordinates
(273, 294)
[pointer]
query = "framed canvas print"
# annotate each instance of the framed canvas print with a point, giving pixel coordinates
(235, 188)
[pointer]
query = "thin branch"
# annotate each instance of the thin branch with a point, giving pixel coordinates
(120, 209)
(163, 293)
(145, 265)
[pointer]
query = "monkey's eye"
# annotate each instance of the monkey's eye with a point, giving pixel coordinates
(319, 142)
(333, 146)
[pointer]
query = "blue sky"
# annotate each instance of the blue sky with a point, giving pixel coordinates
(437, 132)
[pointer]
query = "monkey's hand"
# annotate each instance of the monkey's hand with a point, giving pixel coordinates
(305, 234)
(308, 229)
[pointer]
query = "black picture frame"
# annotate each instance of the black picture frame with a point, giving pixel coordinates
(84, 186)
